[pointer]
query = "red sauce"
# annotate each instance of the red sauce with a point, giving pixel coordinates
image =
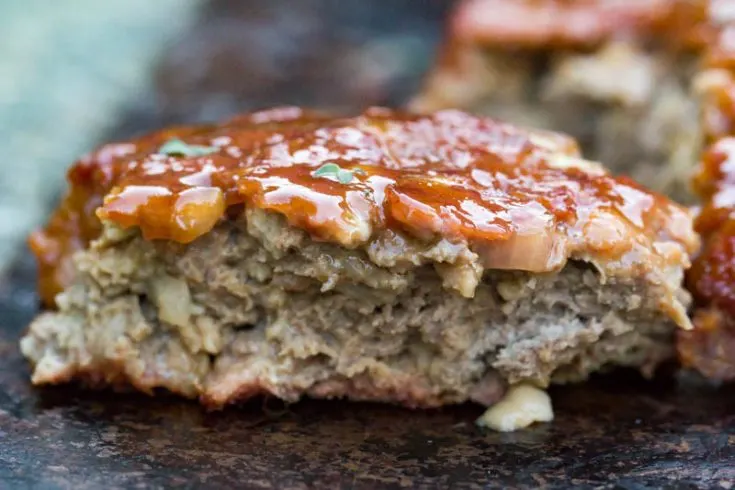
(573, 23)
(448, 175)
(710, 348)
(712, 276)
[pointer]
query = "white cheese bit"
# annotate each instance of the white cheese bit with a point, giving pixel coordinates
(523, 405)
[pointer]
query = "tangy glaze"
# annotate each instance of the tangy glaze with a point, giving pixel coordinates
(710, 347)
(478, 28)
(521, 199)
(573, 23)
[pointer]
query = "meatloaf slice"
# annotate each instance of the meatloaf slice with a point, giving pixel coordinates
(710, 347)
(418, 260)
(615, 74)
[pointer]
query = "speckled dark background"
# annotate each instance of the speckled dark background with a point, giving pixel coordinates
(615, 432)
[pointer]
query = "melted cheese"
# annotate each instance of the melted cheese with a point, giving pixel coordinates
(522, 406)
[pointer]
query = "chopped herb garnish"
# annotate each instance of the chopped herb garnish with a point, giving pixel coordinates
(176, 147)
(333, 171)
(344, 176)
(327, 170)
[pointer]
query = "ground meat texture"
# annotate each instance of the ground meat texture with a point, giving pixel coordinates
(619, 82)
(415, 259)
(257, 307)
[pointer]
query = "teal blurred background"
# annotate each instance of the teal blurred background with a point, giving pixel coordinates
(67, 70)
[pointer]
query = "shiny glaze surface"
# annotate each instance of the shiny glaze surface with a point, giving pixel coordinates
(570, 23)
(448, 175)
(711, 346)
(680, 29)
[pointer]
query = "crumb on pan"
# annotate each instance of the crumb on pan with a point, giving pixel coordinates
(522, 405)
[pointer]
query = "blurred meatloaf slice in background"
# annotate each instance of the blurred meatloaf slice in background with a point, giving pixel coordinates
(615, 74)
(710, 347)
(418, 260)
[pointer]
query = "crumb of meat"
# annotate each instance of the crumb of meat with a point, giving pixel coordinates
(257, 307)
(522, 405)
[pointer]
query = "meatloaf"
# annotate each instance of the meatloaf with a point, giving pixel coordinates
(615, 74)
(710, 347)
(420, 260)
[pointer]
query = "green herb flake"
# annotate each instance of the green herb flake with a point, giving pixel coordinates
(332, 171)
(327, 170)
(176, 147)
(344, 176)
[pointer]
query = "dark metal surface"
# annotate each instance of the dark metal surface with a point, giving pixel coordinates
(616, 432)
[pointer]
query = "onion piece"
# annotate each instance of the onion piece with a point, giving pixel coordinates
(541, 251)
(172, 299)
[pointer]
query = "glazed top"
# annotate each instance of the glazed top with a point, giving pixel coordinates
(711, 346)
(573, 23)
(520, 199)
(712, 277)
